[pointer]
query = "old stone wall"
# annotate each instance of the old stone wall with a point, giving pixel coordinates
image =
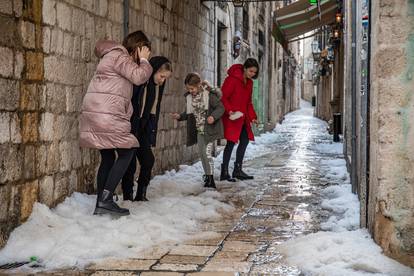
(391, 189)
(47, 60)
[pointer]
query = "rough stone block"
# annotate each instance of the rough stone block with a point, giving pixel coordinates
(78, 22)
(65, 156)
(34, 66)
(102, 8)
(17, 7)
(48, 159)
(46, 187)
(61, 187)
(29, 162)
(18, 66)
(64, 16)
(56, 44)
(27, 31)
(4, 202)
(130, 264)
(46, 128)
(49, 12)
(73, 182)
(89, 26)
(46, 41)
(77, 43)
(11, 159)
(86, 50)
(9, 95)
(8, 29)
(28, 197)
(30, 127)
(74, 97)
(68, 44)
(4, 127)
(6, 62)
(15, 129)
(29, 97)
(6, 7)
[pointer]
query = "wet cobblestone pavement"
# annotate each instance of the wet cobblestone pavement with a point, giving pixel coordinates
(280, 203)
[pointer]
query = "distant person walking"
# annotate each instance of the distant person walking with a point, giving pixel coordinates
(106, 111)
(237, 92)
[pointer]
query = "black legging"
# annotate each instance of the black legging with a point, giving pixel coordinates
(241, 149)
(146, 161)
(110, 171)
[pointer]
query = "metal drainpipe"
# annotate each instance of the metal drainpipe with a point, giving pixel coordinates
(354, 107)
(126, 17)
(368, 105)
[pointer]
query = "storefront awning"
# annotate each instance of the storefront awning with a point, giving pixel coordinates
(301, 17)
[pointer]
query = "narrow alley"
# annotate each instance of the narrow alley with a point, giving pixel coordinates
(301, 186)
(207, 137)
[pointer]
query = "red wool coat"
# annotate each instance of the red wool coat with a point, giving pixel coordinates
(237, 96)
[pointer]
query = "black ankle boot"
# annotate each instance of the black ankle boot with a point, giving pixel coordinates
(209, 182)
(106, 205)
(239, 173)
(128, 195)
(224, 175)
(141, 193)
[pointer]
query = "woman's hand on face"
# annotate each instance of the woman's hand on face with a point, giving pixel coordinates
(175, 116)
(210, 120)
(143, 52)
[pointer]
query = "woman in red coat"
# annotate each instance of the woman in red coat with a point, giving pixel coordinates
(237, 92)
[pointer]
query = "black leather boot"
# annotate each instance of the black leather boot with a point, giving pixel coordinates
(106, 205)
(128, 195)
(239, 173)
(224, 175)
(141, 193)
(209, 182)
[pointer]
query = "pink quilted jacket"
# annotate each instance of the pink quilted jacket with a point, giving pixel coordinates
(106, 109)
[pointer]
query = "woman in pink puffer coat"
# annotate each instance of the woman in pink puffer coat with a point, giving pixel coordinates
(107, 109)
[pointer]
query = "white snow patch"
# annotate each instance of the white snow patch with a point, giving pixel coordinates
(331, 148)
(344, 250)
(70, 236)
(350, 253)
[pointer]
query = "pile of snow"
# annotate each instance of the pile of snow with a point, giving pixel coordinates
(70, 236)
(350, 253)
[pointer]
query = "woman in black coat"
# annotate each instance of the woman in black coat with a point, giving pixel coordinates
(144, 124)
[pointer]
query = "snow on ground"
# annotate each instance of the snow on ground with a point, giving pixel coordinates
(70, 236)
(349, 253)
(341, 249)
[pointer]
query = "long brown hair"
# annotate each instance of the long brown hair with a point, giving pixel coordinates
(134, 40)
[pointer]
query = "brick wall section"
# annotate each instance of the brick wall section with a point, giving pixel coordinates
(391, 204)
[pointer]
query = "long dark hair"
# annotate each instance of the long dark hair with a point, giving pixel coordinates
(134, 40)
(251, 62)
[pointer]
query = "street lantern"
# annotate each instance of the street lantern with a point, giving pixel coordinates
(238, 3)
(336, 33)
(316, 52)
(338, 17)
